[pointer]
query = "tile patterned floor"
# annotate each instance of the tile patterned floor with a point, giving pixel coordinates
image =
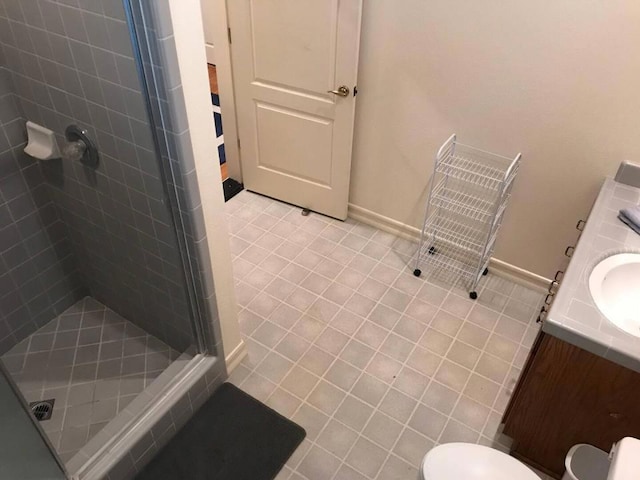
(93, 362)
(378, 366)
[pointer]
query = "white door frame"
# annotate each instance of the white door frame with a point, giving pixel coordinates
(218, 10)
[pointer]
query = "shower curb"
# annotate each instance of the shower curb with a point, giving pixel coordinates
(150, 422)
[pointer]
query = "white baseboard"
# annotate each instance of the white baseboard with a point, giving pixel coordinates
(383, 223)
(408, 232)
(520, 275)
(235, 357)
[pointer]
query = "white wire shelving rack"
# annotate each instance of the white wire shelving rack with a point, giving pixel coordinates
(469, 192)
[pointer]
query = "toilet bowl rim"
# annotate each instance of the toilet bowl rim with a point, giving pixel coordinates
(467, 445)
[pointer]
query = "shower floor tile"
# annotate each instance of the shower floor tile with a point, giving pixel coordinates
(93, 363)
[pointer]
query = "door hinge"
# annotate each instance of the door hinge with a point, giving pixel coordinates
(238, 142)
(229, 34)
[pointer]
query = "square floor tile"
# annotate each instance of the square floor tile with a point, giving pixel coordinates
(375, 355)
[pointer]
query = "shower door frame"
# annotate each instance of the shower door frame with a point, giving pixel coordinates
(207, 367)
(206, 342)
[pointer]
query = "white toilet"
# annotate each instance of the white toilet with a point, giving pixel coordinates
(466, 461)
(456, 461)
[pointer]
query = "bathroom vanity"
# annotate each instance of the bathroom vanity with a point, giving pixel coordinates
(581, 383)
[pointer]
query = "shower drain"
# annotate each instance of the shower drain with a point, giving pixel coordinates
(42, 409)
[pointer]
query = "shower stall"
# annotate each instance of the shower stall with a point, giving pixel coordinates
(106, 289)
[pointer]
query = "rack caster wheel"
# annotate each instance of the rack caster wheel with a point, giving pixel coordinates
(417, 272)
(486, 271)
(473, 295)
(432, 250)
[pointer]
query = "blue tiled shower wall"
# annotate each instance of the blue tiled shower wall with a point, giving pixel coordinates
(38, 274)
(71, 62)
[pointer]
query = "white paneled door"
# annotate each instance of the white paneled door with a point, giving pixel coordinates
(296, 137)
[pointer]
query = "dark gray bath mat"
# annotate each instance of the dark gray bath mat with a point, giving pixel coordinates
(232, 437)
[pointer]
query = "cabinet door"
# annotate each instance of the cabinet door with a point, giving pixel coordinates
(569, 396)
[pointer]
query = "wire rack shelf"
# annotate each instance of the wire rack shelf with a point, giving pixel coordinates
(470, 191)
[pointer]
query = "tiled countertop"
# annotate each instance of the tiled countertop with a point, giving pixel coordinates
(574, 316)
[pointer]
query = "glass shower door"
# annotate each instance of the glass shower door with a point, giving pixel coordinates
(24, 452)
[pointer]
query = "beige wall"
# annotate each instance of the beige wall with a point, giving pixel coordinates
(557, 80)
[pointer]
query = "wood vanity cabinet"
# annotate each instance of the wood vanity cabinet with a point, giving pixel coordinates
(566, 396)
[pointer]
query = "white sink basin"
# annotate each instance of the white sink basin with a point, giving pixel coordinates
(615, 287)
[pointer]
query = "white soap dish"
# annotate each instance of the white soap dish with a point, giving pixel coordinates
(41, 142)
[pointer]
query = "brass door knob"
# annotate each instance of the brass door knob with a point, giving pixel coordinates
(342, 91)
